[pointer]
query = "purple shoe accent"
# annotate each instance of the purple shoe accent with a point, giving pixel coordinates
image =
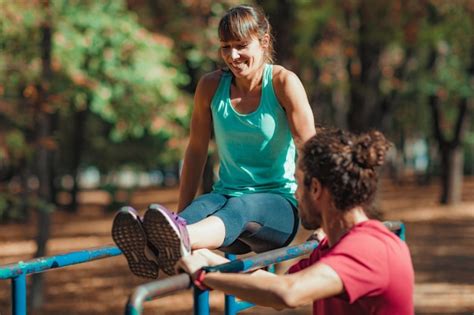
(130, 237)
(167, 232)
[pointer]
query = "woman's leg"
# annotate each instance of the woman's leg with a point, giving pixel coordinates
(204, 229)
(171, 235)
(202, 207)
(207, 233)
(263, 221)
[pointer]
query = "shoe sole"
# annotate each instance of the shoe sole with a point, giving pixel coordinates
(130, 237)
(163, 235)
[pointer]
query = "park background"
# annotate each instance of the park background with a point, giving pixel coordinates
(95, 103)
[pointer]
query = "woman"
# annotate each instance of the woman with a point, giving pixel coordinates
(260, 115)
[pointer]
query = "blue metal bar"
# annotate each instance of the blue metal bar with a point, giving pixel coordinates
(265, 259)
(45, 263)
(230, 304)
(183, 281)
(201, 302)
(396, 227)
(401, 232)
(242, 305)
(17, 272)
(19, 295)
(156, 288)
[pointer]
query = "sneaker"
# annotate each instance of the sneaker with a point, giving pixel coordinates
(167, 232)
(130, 237)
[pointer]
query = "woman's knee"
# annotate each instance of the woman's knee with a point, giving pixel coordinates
(202, 207)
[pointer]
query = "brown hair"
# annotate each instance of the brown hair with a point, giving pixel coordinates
(243, 22)
(345, 164)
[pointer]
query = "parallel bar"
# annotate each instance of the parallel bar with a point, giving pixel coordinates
(156, 288)
(201, 302)
(394, 226)
(242, 305)
(230, 303)
(45, 263)
(265, 259)
(234, 306)
(183, 281)
(19, 295)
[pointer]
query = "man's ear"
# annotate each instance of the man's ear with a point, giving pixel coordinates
(316, 188)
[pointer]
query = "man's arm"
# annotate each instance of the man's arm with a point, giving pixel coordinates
(283, 291)
(263, 288)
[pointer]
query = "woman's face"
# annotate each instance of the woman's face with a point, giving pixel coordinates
(243, 57)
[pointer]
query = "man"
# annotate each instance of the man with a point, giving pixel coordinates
(359, 267)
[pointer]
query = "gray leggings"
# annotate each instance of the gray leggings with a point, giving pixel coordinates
(253, 222)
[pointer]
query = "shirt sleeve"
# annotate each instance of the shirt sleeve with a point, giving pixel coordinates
(361, 263)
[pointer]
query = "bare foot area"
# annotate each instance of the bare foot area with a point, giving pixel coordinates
(440, 239)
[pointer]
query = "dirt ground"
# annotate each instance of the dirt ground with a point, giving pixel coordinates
(441, 240)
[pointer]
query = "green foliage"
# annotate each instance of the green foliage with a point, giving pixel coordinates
(193, 26)
(106, 67)
(448, 33)
(125, 74)
(102, 59)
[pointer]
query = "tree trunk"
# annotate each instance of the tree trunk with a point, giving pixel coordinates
(364, 78)
(282, 18)
(452, 161)
(45, 157)
(451, 175)
(79, 128)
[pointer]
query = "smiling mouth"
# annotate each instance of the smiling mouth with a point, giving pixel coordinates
(239, 66)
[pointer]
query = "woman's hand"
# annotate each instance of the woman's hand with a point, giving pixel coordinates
(317, 235)
(191, 264)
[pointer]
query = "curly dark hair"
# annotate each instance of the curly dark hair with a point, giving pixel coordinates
(345, 164)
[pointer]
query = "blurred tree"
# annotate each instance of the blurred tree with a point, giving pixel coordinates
(448, 84)
(46, 147)
(63, 62)
(364, 66)
(193, 25)
(104, 65)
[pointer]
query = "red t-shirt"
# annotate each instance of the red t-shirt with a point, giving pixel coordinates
(375, 268)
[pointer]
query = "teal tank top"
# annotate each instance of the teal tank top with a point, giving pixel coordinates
(256, 150)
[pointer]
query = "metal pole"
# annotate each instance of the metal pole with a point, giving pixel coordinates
(19, 295)
(229, 300)
(201, 302)
(401, 232)
(265, 259)
(46, 263)
(156, 288)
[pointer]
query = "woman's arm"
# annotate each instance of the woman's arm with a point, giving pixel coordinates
(196, 152)
(292, 96)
